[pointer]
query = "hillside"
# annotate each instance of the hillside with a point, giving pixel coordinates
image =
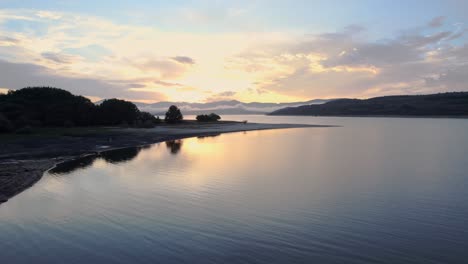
(232, 107)
(443, 104)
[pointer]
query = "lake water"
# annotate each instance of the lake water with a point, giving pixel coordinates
(376, 190)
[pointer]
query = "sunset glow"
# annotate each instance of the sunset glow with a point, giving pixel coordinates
(265, 51)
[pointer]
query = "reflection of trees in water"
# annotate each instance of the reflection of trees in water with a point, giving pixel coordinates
(174, 145)
(120, 155)
(145, 147)
(72, 165)
(111, 156)
(208, 136)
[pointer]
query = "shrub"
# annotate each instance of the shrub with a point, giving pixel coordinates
(68, 123)
(5, 124)
(208, 118)
(147, 120)
(45, 106)
(115, 111)
(148, 124)
(124, 124)
(173, 114)
(145, 116)
(24, 130)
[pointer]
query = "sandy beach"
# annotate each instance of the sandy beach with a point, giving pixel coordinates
(24, 159)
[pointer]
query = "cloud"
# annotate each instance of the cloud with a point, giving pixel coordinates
(6, 15)
(166, 83)
(107, 50)
(109, 59)
(136, 85)
(20, 75)
(223, 96)
(437, 22)
(8, 41)
(187, 89)
(227, 93)
(49, 15)
(346, 64)
(165, 68)
(455, 79)
(59, 57)
(183, 60)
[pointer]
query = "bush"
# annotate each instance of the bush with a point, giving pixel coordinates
(173, 114)
(47, 106)
(147, 120)
(24, 120)
(208, 118)
(145, 116)
(68, 123)
(124, 124)
(115, 111)
(148, 124)
(24, 130)
(5, 124)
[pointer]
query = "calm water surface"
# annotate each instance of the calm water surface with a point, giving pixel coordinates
(389, 190)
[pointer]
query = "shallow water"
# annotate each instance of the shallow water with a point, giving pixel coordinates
(376, 190)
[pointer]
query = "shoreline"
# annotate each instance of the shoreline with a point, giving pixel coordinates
(25, 161)
(388, 116)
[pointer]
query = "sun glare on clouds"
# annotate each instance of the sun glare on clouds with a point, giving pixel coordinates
(144, 62)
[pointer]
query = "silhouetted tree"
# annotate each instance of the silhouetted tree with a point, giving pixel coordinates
(208, 118)
(23, 109)
(147, 120)
(5, 124)
(173, 114)
(45, 106)
(115, 112)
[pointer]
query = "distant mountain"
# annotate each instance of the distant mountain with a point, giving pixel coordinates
(232, 107)
(443, 104)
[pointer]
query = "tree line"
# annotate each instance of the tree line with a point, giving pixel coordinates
(53, 107)
(208, 118)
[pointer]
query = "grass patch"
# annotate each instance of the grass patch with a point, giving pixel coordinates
(54, 132)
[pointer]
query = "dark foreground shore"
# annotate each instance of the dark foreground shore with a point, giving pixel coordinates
(24, 158)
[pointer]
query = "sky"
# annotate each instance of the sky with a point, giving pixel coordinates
(257, 50)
